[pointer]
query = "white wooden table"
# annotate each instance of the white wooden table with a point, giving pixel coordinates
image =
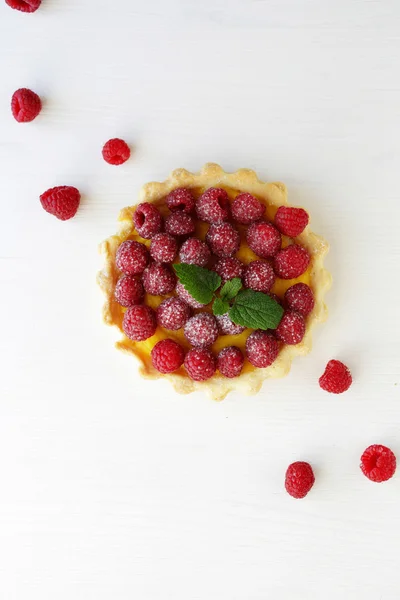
(112, 487)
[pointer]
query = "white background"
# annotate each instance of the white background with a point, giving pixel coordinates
(116, 488)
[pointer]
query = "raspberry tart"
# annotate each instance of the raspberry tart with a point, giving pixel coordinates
(206, 285)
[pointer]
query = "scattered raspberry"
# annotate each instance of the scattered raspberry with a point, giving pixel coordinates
(129, 291)
(291, 329)
(246, 209)
(147, 220)
(259, 276)
(201, 330)
(132, 258)
(223, 239)
(139, 323)
(25, 105)
(179, 223)
(264, 239)
(186, 297)
(276, 298)
(200, 364)
(213, 206)
(336, 377)
(181, 199)
(163, 247)
(299, 479)
(291, 262)
(173, 313)
(158, 280)
(230, 361)
(228, 327)
(229, 268)
(378, 463)
(261, 348)
(28, 6)
(167, 356)
(116, 152)
(62, 202)
(300, 298)
(291, 221)
(195, 252)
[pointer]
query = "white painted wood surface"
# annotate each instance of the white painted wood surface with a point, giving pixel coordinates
(111, 487)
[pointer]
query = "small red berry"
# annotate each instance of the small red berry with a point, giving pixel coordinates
(28, 6)
(264, 239)
(200, 364)
(167, 356)
(179, 223)
(229, 268)
(139, 323)
(230, 361)
(300, 298)
(291, 221)
(194, 252)
(261, 348)
(378, 463)
(201, 330)
(128, 291)
(147, 220)
(291, 262)
(132, 257)
(173, 313)
(291, 329)
(181, 199)
(223, 239)
(25, 105)
(228, 327)
(186, 297)
(62, 202)
(299, 479)
(116, 152)
(213, 206)
(336, 378)
(158, 279)
(246, 209)
(259, 276)
(163, 247)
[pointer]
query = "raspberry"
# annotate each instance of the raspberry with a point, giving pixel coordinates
(228, 327)
(378, 463)
(167, 356)
(139, 323)
(259, 276)
(158, 280)
(28, 6)
(276, 298)
(179, 223)
(173, 313)
(291, 221)
(201, 330)
(291, 262)
(186, 297)
(147, 220)
(116, 152)
(300, 298)
(246, 209)
(299, 479)
(25, 105)
(200, 364)
(261, 348)
(291, 329)
(264, 239)
(213, 206)
(194, 252)
(229, 268)
(336, 378)
(230, 361)
(132, 257)
(62, 202)
(163, 247)
(223, 239)
(129, 291)
(181, 199)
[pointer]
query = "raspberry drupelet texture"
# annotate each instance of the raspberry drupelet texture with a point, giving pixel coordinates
(28, 6)
(173, 313)
(261, 348)
(264, 239)
(223, 239)
(230, 361)
(200, 364)
(158, 279)
(195, 252)
(259, 276)
(378, 463)
(213, 206)
(116, 152)
(147, 220)
(291, 262)
(128, 291)
(181, 199)
(139, 323)
(246, 209)
(291, 221)
(228, 327)
(25, 105)
(299, 479)
(163, 247)
(132, 257)
(186, 297)
(229, 268)
(179, 223)
(291, 329)
(300, 298)
(167, 356)
(62, 202)
(336, 378)
(201, 330)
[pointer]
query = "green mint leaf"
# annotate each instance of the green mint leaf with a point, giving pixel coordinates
(231, 288)
(200, 283)
(256, 310)
(220, 307)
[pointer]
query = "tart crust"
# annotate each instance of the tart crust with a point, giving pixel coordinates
(273, 195)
